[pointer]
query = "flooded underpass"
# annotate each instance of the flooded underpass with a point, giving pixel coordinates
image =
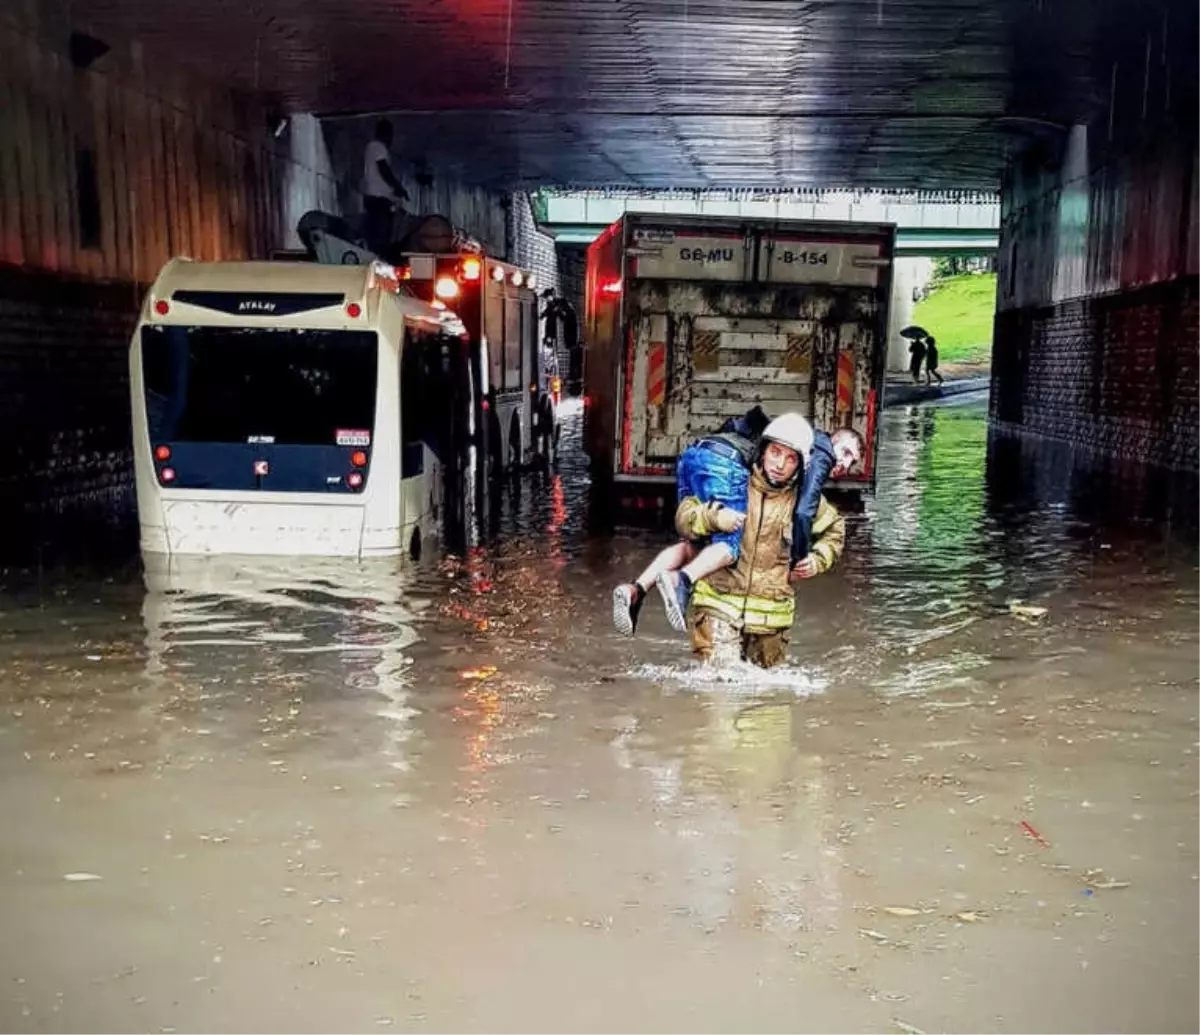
(317, 796)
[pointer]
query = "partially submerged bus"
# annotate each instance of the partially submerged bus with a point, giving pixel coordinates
(294, 408)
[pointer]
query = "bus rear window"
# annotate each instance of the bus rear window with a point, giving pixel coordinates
(284, 387)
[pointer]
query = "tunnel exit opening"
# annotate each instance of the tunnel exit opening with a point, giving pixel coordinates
(943, 317)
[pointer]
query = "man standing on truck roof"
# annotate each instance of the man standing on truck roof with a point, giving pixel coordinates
(382, 190)
(746, 611)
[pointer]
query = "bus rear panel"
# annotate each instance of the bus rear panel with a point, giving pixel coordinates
(252, 409)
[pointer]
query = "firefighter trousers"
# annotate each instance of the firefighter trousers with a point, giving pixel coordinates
(720, 642)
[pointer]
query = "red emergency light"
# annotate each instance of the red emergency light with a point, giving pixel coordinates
(610, 287)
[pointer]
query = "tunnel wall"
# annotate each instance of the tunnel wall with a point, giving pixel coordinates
(1096, 326)
(527, 245)
(105, 173)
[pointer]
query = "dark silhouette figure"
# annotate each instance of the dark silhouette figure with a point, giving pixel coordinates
(917, 353)
(931, 362)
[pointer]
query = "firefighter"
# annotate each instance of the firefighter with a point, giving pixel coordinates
(746, 611)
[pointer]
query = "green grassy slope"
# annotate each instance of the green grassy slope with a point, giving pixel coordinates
(959, 313)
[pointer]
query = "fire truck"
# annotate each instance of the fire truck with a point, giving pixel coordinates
(691, 320)
(516, 386)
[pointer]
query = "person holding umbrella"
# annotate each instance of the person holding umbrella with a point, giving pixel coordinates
(916, 350)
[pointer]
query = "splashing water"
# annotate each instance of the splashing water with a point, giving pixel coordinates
(738, 676)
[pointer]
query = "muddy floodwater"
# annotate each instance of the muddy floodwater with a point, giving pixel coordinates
(323, 796)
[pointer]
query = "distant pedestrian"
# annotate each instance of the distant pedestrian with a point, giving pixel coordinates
(931, 362)
(382, 190)
(917, 353)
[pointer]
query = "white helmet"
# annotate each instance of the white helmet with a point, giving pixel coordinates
(793, 431)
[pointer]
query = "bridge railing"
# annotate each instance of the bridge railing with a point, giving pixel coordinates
(929, 210)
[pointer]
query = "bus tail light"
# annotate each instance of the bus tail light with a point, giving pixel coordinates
(167, 474)
(162, 307)
(446, 287)
(471, 268)
(358, 458)
(162, 454)
(354, 310)
(354, 479)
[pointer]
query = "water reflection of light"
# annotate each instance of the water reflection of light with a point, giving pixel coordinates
(558, 518)
(752, 811)
(483, 713)
(264, 650)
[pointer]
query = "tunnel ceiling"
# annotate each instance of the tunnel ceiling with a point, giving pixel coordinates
(665, 93)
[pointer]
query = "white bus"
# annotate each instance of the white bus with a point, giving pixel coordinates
(293, 408)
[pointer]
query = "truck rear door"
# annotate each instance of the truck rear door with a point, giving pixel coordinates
(690, 364)
(719, 324)
(845, 282)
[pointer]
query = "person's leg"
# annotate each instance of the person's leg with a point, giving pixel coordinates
(671, 559)
(378, 212)
(714, 640)
(709, 561)
(628, 598)
(766, 650)
(717, 478)
(675, 586)
(815, 475)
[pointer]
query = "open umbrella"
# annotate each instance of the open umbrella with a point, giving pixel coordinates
(914, 333)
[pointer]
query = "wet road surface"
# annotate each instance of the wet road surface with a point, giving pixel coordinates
(314, 796)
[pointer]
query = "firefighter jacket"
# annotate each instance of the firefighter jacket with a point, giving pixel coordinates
(755, 594)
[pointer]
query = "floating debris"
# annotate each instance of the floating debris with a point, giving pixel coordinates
(901, 911)
(82, 876)
(1028, 828)
(1020, 610)
(1099, 881)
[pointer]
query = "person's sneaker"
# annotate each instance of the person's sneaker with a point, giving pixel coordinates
(627, 603)
(676, 591)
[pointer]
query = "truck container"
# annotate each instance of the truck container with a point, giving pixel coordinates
(691, 320)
